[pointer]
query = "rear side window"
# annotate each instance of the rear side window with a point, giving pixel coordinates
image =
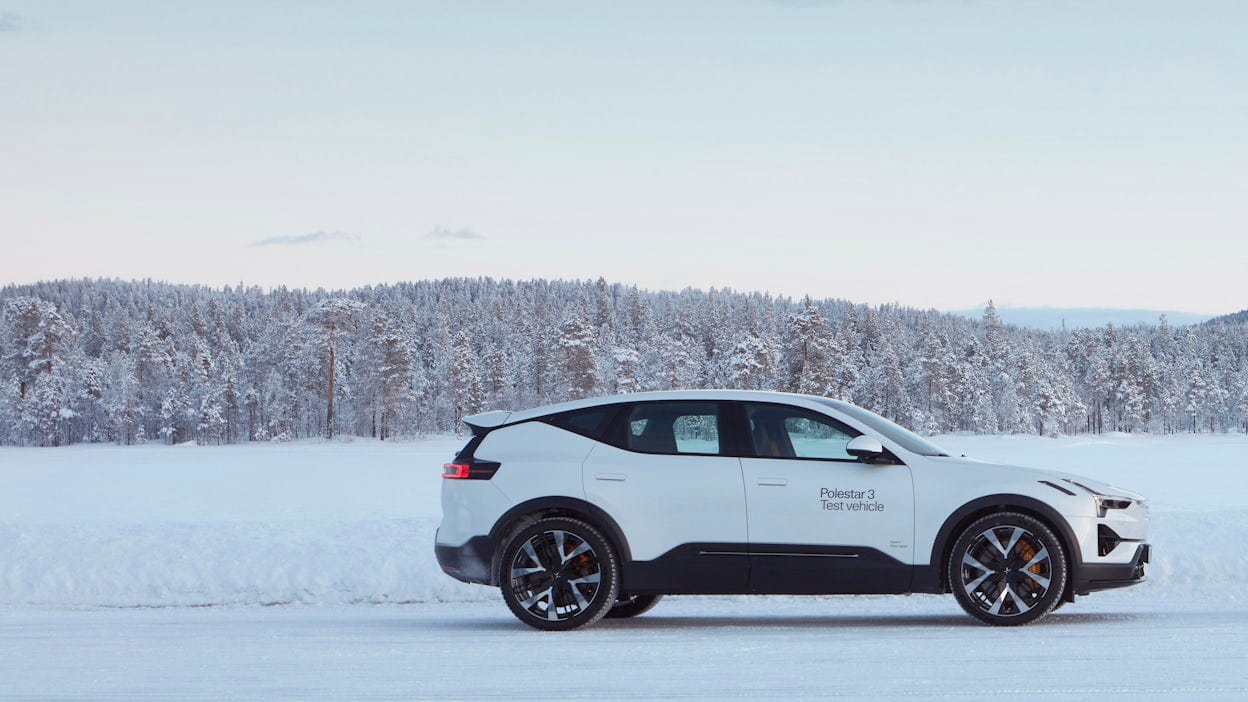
(591, 422)
(673, 428)
(778, 431)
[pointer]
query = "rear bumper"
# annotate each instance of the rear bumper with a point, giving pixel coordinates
(469, 563)
(1106, 576)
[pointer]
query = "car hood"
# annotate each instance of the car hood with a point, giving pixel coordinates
(1051, 475)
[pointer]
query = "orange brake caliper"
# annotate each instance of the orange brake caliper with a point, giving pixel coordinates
(1028, 552)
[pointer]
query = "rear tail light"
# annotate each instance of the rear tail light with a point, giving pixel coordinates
(471, 470)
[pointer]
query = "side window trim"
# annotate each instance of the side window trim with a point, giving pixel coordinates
(730, 438)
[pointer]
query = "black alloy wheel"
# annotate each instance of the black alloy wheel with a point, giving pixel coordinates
(1008, 569)
(559, 574)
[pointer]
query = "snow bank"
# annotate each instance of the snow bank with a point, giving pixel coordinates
(153, 526)
(317, 523)
(219, 563)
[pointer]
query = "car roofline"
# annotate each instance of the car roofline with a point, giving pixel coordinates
(498, 418)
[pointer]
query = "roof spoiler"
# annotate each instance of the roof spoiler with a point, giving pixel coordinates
(483, 422)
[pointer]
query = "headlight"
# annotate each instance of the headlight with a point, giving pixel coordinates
(1104, 503)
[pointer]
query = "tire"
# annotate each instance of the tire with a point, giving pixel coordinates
(1008, 569)
(633, 606)
(558, 574)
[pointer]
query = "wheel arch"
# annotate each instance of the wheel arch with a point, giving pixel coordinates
(530, 511)
(963, 516)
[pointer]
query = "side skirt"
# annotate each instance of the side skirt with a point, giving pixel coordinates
(691, 569)
(783, 569)
(771, 569)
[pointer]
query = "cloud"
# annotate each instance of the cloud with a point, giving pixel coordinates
(10, 22)
(462, 234)
(309, 238)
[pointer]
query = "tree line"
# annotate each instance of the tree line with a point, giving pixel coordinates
(132, 362)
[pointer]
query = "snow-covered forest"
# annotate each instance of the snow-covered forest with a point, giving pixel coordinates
(127, 362)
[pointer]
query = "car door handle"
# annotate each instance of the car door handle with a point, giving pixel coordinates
(780, 482)
(617, 477)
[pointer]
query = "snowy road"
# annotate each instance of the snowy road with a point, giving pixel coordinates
(1109, 646)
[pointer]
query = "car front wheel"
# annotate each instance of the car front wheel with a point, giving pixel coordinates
(559, 574)
(1008, 569)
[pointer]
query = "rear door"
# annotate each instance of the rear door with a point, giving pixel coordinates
(667, 473)
(819, 520)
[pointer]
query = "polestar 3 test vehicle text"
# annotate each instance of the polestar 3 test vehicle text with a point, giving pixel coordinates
(599, 507)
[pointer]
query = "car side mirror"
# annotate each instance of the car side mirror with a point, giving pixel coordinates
(865, 448)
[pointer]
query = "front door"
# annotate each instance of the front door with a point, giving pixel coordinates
(819, 520)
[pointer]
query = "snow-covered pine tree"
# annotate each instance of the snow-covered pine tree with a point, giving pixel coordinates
(35, 340)
(808, 347)
(335, 319)
(749, 362)
(576, 346)
(626, 363)
(121, 399)
(388, 368)
(465, 386)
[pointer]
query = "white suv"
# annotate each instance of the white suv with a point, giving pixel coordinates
(599, 507)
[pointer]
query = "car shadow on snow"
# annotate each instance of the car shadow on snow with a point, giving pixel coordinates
(823, 621)
(658, 622)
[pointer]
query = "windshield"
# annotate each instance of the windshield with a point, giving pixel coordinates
(890, 430)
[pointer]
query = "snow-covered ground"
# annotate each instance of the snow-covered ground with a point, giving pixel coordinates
(101, 548)
(342, 523)
(858, 648)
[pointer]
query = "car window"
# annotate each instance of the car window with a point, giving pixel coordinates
(778, 431)
(891, 430)
(591, 422)
(673, 427)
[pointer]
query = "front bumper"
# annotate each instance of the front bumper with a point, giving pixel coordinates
(1106, 576)
(469, 563)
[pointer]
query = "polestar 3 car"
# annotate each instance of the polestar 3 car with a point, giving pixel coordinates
(599, 507)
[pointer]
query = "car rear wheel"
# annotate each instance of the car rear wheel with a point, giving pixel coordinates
(559, 574)
(633, 606)
(1008, 569)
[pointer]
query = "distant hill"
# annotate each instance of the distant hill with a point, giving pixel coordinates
(1081, 317)
(1240, 317)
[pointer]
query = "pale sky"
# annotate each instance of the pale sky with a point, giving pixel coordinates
(935, 153)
